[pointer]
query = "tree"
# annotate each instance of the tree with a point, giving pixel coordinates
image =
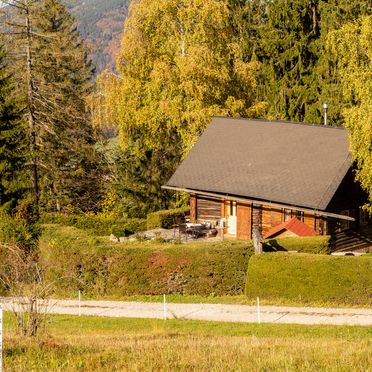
(287, 47)
(351, 46)
(57, 81)
(333, 14)
(13, 141)
(65, 75)
(179, 65)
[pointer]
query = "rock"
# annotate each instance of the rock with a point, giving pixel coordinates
(113, 238)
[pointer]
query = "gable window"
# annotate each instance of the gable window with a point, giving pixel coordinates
(287, 215)
(300, 216)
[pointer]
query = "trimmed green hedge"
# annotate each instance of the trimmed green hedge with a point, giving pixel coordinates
(100, 268)
(165, 218)
(308, 278)
(129, 227)
(98, 225)
(310, 244)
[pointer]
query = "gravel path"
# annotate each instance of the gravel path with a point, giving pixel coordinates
(215, 312)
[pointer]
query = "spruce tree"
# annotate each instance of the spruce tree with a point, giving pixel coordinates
(57, 81)
(288, 51)
(13, 141)
(70, 174)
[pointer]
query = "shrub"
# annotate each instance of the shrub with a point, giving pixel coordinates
(165, 218)
(309, 244)
(309, 278)
(100, 225)
(143, 268)
(129, 227)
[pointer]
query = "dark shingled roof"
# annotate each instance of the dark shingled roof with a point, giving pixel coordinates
(289, 163)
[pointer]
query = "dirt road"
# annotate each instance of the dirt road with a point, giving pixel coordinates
(216, 312)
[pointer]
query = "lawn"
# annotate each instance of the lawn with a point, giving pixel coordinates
(108, 344)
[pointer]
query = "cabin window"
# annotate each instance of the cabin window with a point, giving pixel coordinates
(300, 215)
(287, 214)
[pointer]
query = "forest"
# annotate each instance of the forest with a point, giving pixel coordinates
(100, 24)
(75, 144)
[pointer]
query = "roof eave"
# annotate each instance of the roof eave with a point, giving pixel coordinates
(259, 202)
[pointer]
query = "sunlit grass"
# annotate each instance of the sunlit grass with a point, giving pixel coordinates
(107, 344)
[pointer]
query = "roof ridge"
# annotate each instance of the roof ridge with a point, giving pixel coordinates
(280, 121)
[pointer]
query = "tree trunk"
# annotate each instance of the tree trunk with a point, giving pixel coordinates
(31, 116)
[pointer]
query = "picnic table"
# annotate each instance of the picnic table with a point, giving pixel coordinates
(198, 230)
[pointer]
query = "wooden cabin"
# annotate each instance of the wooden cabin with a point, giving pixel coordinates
(248, 175)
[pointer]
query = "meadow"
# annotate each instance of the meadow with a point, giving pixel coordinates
(108, 344)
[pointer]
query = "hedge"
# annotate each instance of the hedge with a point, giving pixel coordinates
(129, 227)
(311, 244)
(98, 225)
(100, 268)
(165, 218)
(308, 278)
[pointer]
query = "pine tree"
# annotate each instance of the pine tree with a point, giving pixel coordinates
(66, 139)
(288, 51)
(57, 81)
(13, 142)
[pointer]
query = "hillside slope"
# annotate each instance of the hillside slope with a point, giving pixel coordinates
(100, 25)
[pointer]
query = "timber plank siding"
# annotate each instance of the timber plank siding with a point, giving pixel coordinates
(208, 209)
(193, 211)
(244, 222)
(271, 217)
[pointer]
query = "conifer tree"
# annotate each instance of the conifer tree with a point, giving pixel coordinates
(57, 81)
(13, 141)
(288, 51)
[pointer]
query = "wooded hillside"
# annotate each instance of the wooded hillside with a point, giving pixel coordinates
(100, 25)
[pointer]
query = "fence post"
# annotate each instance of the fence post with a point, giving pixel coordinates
(79, 300)
(1, 338)
(165, 308)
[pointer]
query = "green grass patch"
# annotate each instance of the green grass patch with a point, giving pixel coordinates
(107, 344)
(308, 244)
(310, 279)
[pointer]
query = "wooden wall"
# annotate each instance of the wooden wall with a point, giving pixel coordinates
(248, 216)
(193, 212)
(271, 217)
(208, 209)
(244, 221)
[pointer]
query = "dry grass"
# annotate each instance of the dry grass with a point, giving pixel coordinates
(87, 344)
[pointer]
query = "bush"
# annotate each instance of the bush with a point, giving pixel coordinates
(309, 244)
(129, 227)
(101, 268)
(100, 225)
(166, 218)
(308, 278)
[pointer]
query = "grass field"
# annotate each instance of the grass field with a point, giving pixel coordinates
(107, 344)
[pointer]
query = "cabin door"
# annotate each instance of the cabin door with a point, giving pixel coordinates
(231, 218)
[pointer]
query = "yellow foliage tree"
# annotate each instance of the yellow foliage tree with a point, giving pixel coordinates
(180, 64)
(352, 46)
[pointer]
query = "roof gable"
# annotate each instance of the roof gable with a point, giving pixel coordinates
(293, 225)
(290, 163)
